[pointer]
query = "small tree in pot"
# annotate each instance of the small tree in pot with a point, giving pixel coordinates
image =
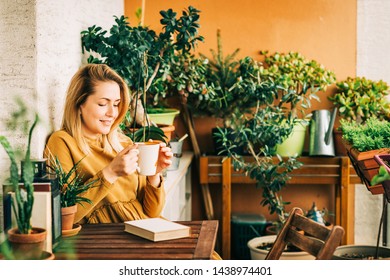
(143, 57)
(261, 130)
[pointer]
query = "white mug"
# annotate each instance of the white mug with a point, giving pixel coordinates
(148, 157)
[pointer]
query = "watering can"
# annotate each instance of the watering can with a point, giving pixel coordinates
(321, 133)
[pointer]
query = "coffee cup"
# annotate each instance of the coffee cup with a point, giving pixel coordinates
(148, 157)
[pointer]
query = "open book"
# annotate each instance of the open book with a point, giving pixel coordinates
(157, 229)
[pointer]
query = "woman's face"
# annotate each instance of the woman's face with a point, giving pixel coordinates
(100, 110)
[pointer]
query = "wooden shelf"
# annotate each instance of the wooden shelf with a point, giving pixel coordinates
(336, 171)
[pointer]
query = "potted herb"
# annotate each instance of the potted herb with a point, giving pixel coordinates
(299, 80)
(25, 240)
(359, 99)
(71, 188)
(142, 56)
(363, 142)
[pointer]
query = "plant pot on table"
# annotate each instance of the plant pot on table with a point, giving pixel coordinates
(27, 246)
(67, 217)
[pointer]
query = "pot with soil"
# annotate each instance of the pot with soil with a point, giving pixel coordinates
(260, 246)
(361, 252)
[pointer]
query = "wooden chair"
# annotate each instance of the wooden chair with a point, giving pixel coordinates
(298, 230)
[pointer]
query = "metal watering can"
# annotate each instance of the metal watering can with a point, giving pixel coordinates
(321, 133)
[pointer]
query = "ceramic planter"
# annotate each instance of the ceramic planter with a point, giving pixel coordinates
(27, 246)
(166, 116)
(360, 252)
(260, 254)
(294, 144)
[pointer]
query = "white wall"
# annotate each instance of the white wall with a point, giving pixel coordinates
(373, 62)
(40, 50)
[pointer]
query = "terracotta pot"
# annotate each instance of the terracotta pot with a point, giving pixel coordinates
(366, 166)
(168, 130)
(68, 215)
(338, 143)
(27, 246)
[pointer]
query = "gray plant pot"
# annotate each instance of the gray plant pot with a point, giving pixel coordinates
(353, 252)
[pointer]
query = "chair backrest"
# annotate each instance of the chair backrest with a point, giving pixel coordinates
(307, 235)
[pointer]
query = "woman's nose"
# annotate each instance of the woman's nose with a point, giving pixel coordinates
(110, 111)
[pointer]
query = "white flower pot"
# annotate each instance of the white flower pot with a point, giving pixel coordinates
(260, 254)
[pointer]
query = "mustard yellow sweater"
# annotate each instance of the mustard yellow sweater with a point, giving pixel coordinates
(128, 198)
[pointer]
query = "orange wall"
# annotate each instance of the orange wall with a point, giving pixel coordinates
(324, 30)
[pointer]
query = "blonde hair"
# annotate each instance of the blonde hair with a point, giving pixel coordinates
(81, 86)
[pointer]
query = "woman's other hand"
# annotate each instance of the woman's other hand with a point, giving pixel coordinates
(164, 157)
(125, 163)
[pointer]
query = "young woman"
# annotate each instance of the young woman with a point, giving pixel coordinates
(96, 103)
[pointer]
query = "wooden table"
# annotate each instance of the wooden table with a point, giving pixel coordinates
(336, 171)
(111, 242)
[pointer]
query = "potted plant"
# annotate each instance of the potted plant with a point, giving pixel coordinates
(363, 142)
(299, 80)
(224, 95)
(259, 246)
(359, 99)
(370, 252)
(26, 241)
(260, 131)
(71, 188)
(142, 56)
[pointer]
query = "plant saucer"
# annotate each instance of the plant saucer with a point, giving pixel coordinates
(47, 256)
(71, 232)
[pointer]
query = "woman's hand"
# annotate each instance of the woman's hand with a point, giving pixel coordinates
(164, 157)
(164, 161)
(125, 163)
